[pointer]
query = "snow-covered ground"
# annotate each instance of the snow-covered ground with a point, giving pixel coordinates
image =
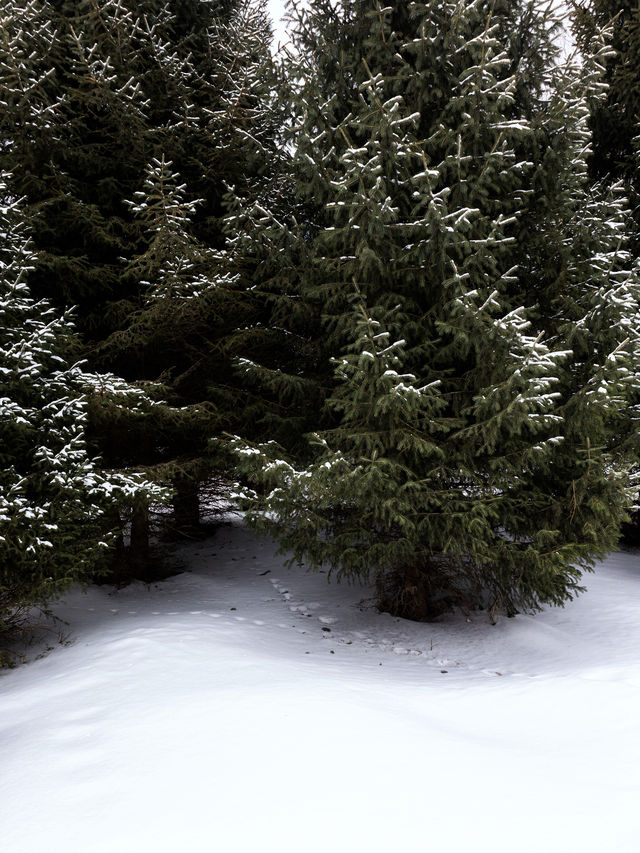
(241, 706)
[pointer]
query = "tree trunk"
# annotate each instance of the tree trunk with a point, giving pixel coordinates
(139, 546)
(117, 571)
(186, 505)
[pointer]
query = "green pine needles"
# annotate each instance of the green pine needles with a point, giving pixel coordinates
(55, 500)
(124, 124)
(479, 304)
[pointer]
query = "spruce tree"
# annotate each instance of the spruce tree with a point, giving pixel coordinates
(56, 502)
(478, 302)
(97, 93)
(615, 119)
(615, 122)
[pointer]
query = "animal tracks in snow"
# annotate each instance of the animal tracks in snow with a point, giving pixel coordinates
(333, 629)
(304, 604)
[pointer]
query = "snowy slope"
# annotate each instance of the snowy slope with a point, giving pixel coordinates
(240, 706)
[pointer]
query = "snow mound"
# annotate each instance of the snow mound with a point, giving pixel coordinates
(241, 706)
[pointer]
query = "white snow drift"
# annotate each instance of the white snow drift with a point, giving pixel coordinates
(241, 706)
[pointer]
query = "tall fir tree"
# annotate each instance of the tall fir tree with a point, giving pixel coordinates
(615, 119)
(615, 124)
(96, 93)
(56, 502)
(478, 302)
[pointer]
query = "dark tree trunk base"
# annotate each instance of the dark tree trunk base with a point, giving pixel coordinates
(413, 593)
(139, 562)
(186, 510)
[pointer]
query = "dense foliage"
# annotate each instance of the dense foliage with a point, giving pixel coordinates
(477, 301)
(390, 262)
(615, 125)
(615, 119)
(55, 500)
(124, 125)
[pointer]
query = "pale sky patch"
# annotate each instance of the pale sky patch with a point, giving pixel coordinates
(276, 10)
